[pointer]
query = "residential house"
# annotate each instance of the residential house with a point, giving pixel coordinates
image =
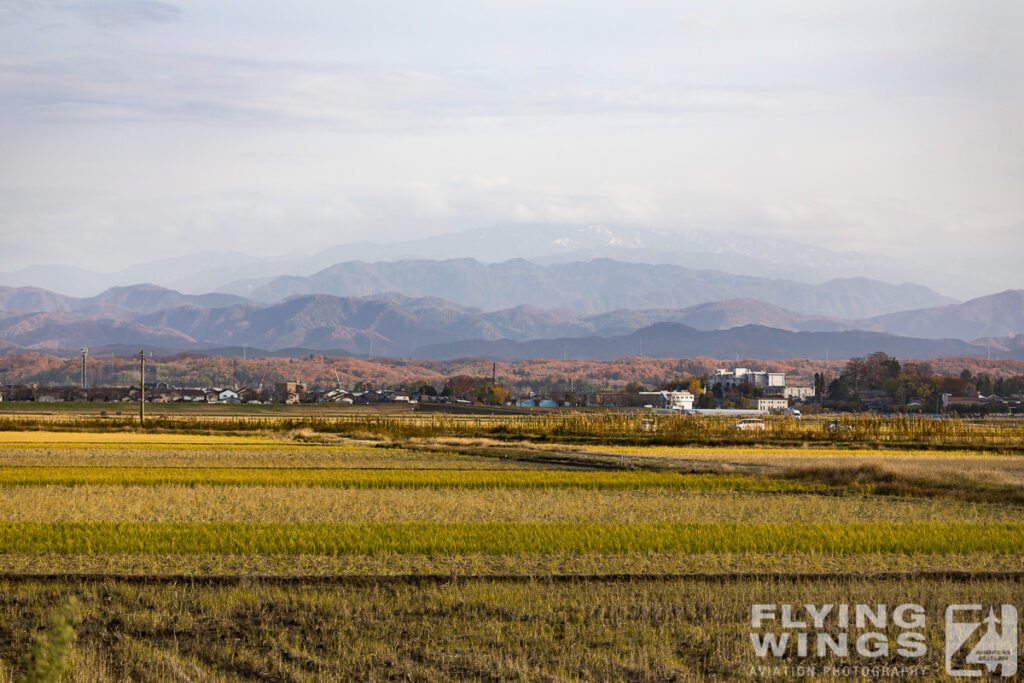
(336, 396)
(289, 392)
(248, 395)
(50, 395)
(228, 396)
(192, 396)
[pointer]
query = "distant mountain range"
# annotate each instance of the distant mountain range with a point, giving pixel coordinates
(996, 315)
(590, 287)
(398, 325)
(144, 297)
(545, 244)
(672, 340)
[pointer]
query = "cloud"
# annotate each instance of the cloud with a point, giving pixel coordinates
(867, 124)
(128, 13)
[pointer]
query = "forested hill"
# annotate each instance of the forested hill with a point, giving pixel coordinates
(192, 369)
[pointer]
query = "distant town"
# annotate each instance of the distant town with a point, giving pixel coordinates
(876, 383)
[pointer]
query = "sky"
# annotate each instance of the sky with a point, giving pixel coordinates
(136, 129)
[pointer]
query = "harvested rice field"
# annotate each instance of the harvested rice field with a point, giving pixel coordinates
(175, 557)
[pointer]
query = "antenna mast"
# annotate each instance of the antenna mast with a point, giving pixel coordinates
(85, 354)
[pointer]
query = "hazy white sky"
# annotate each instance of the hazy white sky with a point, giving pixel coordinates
(139, 129)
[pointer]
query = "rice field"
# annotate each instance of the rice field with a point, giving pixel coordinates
(282, 555)
(620, 630)
(244, 568)
(505, 537)
(625, 428)
(383, 478)
(318, 504)
(241, 458)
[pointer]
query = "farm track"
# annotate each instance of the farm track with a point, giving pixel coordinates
(959, 576)
(598, 460)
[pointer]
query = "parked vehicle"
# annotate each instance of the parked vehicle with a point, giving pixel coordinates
(837, 426)
(750, 425)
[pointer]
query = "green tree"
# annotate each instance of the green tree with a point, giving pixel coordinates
(47, 660)
(839, 389)
(819, 384)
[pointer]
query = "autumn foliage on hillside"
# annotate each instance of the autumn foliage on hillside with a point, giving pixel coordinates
(195, 369)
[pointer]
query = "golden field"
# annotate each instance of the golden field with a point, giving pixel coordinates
(310, 556)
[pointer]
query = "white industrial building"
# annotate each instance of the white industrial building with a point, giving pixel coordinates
(762, 379)
(771, 403)
(670, 400)
(798, 393)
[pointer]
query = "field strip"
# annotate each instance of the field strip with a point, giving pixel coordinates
(331, 504)
(191, 442)
(385, 579)
(480, 564)
(217, 469)
(248, 456)
(169, 445)
(505, 538)
(132, 439)
(386, 478)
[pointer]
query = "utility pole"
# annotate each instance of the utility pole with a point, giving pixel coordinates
(85, 354)
(142, 387)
